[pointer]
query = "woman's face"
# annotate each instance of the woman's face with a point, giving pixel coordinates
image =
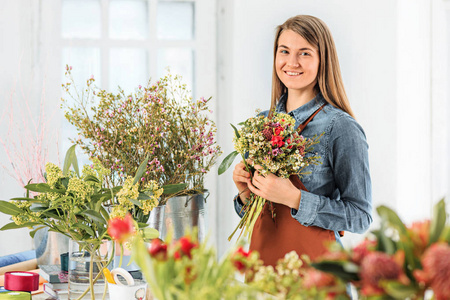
(296, 62)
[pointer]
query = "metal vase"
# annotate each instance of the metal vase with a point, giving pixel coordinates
(49, 246)
(179, 215)
(156, 220)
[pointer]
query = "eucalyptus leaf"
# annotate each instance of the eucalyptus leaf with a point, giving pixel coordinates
(144, 196)
(136, 202)
(400, 291)
(236, 132)
(227, 162)
(13, 225)
(337, 269)
(33, 232)
(392, 218)
(96, 216)
(86, 228)
(43, 188)
(24, 199)
(91, 178)
(140, 171)
(173, 188)
(70, 159)
(438, 222)
(9, 208)
(150, 233)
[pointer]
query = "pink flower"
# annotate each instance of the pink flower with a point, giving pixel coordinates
(377, 266)
(436, 270)
(362, 249)
(316, 278)
(179, 165)
(277, 141)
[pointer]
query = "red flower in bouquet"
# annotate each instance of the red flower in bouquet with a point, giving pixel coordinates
(158, 250)
(377, 267)
(121, 229)
(436, 270)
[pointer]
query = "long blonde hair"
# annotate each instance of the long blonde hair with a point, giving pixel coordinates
(329, 79)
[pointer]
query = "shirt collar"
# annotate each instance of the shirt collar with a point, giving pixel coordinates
(303, 112)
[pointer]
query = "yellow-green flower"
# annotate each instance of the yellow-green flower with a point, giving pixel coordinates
(53, 173)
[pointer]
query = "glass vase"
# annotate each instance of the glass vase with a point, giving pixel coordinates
(86, 263)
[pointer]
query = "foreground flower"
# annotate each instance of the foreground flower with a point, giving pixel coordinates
(436, 270)
(240, 260)
(377, 267)
(419, 233)
(121, 229)
(158, 250)
(362, 249)
(185, 245)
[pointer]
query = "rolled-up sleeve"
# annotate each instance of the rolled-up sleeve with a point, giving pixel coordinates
(349, 207)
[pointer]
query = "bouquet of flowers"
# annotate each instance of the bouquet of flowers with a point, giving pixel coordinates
(398, 261)
(275, 145)
(159, 121)
(184, 268)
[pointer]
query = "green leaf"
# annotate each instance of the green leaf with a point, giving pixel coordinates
(140, 171)
(142, 225)
(143, 196)
(33, 232)
(9, 208)
(42, 188)
(38, 208)
(236, 132)
(150, 233)
(338, 269)
(96, 216)
(104, 213)
(91, 178)
(173, 188)
(400, 291)
(438, 222)
(70, 159)
(23, 199)
(84, 227)
(392, 218)
(226, 163)
(13, 225)
(136, 202)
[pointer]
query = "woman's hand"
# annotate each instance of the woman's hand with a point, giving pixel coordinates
(275, 189)
(240, 178)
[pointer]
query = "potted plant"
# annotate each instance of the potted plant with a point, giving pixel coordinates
(73, 204)
(159, 121)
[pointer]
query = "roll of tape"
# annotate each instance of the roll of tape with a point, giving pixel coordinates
(124, 273)
(15, 296)
(21, 281)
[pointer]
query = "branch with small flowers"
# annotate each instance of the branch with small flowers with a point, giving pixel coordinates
(160, 121)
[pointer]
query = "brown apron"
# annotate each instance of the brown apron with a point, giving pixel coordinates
(274, 237)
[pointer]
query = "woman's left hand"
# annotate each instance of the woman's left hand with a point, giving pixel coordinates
(275, 189)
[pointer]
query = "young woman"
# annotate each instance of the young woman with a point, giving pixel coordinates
(336, 195)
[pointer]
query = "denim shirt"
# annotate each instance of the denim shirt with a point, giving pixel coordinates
(339, 193)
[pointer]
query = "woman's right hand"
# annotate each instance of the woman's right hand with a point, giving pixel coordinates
(240, 178)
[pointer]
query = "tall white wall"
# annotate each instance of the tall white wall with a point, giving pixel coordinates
(384, 51)
(394, 69)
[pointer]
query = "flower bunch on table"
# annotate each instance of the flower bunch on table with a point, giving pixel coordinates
(160, 121)
(274, 144)
(397, 261)
(184, 268)
(73, 203)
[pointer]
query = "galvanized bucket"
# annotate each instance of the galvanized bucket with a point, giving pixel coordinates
(49, 245)
(180, 214)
